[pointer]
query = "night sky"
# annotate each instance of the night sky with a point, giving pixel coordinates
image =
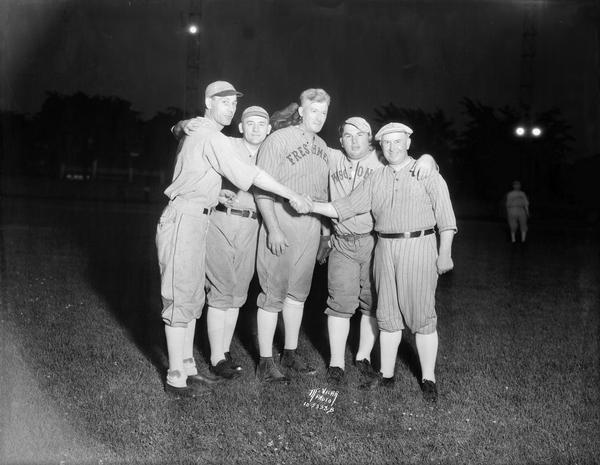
(426, 54)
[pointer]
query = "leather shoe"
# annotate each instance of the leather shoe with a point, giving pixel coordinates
(224, 370)
(234, 365)
(365, 368)
(293, 362)
(429, 390)
(205, 379)
(378, 381)
(267, 372)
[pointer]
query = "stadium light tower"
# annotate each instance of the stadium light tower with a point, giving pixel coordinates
(193, 55)
(526, 127)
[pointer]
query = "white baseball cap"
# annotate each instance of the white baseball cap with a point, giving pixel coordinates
(392, 127)
(360, 123)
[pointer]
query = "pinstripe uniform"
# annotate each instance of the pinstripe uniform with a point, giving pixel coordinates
(349, 274)
(202, 159)
(299, 160)
(404, 269)
(231, 244)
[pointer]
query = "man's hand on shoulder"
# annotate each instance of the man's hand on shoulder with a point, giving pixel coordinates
(424, 166)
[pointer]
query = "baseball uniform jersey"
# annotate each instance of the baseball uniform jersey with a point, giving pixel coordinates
(349, 276)
(405, 268)
(298, 159)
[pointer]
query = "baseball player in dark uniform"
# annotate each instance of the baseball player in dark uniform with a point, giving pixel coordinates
(202, 159)
(407, 261)
(288, 242)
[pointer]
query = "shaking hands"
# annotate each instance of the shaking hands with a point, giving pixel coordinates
(302, 203)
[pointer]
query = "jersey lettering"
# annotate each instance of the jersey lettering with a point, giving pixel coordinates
(302, 151)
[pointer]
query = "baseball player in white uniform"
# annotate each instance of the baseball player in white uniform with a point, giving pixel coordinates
(202, 159)
(406, 262)
(517, 212)
(288, 242)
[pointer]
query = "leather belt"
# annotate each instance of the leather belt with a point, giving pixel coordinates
(232, 211)
(406, 235)
(352, 237)
(207, 211)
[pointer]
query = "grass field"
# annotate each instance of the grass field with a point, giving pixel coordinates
(83, 357)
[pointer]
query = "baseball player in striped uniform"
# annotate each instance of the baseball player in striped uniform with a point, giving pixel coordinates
(349, 275)
(202, 159)
(407, 261)
(517, 212)
(288, 242)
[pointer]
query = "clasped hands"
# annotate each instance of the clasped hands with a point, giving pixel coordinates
(302, 203)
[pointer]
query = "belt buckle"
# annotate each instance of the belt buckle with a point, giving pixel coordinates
(406, 235)
(245, 213)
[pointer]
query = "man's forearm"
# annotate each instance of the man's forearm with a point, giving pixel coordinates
(446, 238)
(325, 209)
(266, 182)
(267, 212)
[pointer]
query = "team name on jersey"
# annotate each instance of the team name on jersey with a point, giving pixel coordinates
(338, 175)
(305, 149)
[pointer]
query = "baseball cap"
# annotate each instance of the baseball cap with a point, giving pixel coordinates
(220, 89)
(392, 127)
(360, 123)
(255, 111)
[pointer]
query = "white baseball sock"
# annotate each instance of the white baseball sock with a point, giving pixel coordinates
(338, 329)
(427, 347)
(175, 340)
(189, 365)
(215, 325)
(231, 317)
(368, 335)
(292, 320)
(389, 342)
(266, 324)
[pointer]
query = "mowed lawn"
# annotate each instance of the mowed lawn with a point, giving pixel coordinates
(84, 357)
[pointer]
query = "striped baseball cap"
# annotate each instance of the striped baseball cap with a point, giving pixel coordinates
(255, 111)
(360, 123)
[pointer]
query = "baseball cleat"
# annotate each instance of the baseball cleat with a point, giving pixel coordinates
(205, 379)
(365, 368)
(224, 370)
(378, 381)
(429, 390)
(267, 372)
(336, 376)
(293, 362)
(235, 366)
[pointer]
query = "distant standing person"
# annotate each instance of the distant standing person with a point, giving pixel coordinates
(407, 262)
(517, 212)
(202, 158)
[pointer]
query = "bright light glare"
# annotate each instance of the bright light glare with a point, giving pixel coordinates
(536, 132)
(520, 131)
(193, 29)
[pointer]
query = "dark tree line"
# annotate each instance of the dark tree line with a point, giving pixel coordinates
(103, 135)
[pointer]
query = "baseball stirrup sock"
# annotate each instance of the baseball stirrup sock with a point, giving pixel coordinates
(266, 323)
(231, 317)
(189, 366)
(389, 343)
(292, 320)
(188, 344)
(215, 325)
(368, 336)
(427, 348)
(338, 329)
(175, 339)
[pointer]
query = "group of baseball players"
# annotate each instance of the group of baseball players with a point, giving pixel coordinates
(262, 203)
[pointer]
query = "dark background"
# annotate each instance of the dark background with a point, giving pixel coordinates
(89, 89)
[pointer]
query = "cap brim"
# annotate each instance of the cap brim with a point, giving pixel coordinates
(227, 93)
